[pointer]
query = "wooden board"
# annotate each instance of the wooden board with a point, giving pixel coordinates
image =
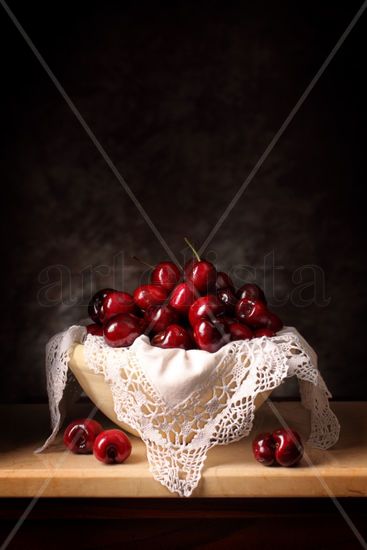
(230, 471)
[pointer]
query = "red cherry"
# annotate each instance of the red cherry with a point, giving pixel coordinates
(273, 322)
(264, 332)
(223, 281)
(200, 273)
(182, 297)
(159, 317)
(240, 332)
(80, 434)
(174, 336)
(112, 447)
(95, 304)
(122, 330)
(147, 296)
(263, 447)
(206, 307)
(166, 274)
(226, 321)
(209, 336)
(116, 302)
(228, 298)
(252, 312)
(96, 330)
(252, 291)
(288, 447)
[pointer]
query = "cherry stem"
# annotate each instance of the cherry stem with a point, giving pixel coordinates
(192, 248)
(142, 262)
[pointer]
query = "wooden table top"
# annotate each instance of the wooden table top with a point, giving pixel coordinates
(229, 471)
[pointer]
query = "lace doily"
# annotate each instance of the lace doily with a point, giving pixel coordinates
(213, 404)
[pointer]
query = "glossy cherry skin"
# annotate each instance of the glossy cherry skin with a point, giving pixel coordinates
(223, 281)
(80, 435)
(252, 312)
(209, 336)
(228, 298)
(263, 448)
(95, 304)
(116, 302)
(112, 447)
(206, 307)
(122, 330)
(201, 274)
(158, 318)
(273, 322)
(264, 332)
(96, 330)
(147, 296)
(174, 336)
(252, 291)
(240, 332)
(183, 295)
(288, 447)
(166, 274)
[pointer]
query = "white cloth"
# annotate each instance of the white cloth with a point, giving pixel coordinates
(182, 403)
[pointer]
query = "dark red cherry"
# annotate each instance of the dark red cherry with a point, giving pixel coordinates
(273, 322)
(80, 434)
(147, 296)
(209, 336)
(206, 307)
(158, 318)
(263, 332)
(263, 447)
(288, 447)
(223, 281)
(252, 312)
(200, 273)
(166, 274)
(226, 321)
(174, 336)
(252, 291)
(240, 332)
(228, 298)
(96, 330)
(182, 297)
(116, 302)
(95, 304)
(112, 447)
(122, 330)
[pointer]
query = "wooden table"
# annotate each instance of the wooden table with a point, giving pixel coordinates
(237, 497)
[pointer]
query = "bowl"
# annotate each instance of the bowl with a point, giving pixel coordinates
(99, 392)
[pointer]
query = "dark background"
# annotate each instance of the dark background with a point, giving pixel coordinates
(184, 97)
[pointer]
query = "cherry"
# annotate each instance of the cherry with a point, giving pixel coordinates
(228, 298)
(174, 336)
(80, 434)
(183, 295)
(95, 304)
(166, 274)
(158, 318)
(112, 447)
(288, 447)
(122, 330)
(223, 281)
(116, 302)
(200, 273)
(207, 307)
(264, 332)
(252, 291)
(96, 330)
(240, 332)
(209, 336)
(283, 447)
(226, 321)
(273, 322)
(147, 296)
(252, 312)
(263, 447)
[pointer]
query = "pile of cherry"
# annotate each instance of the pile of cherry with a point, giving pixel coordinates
(198, 308)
